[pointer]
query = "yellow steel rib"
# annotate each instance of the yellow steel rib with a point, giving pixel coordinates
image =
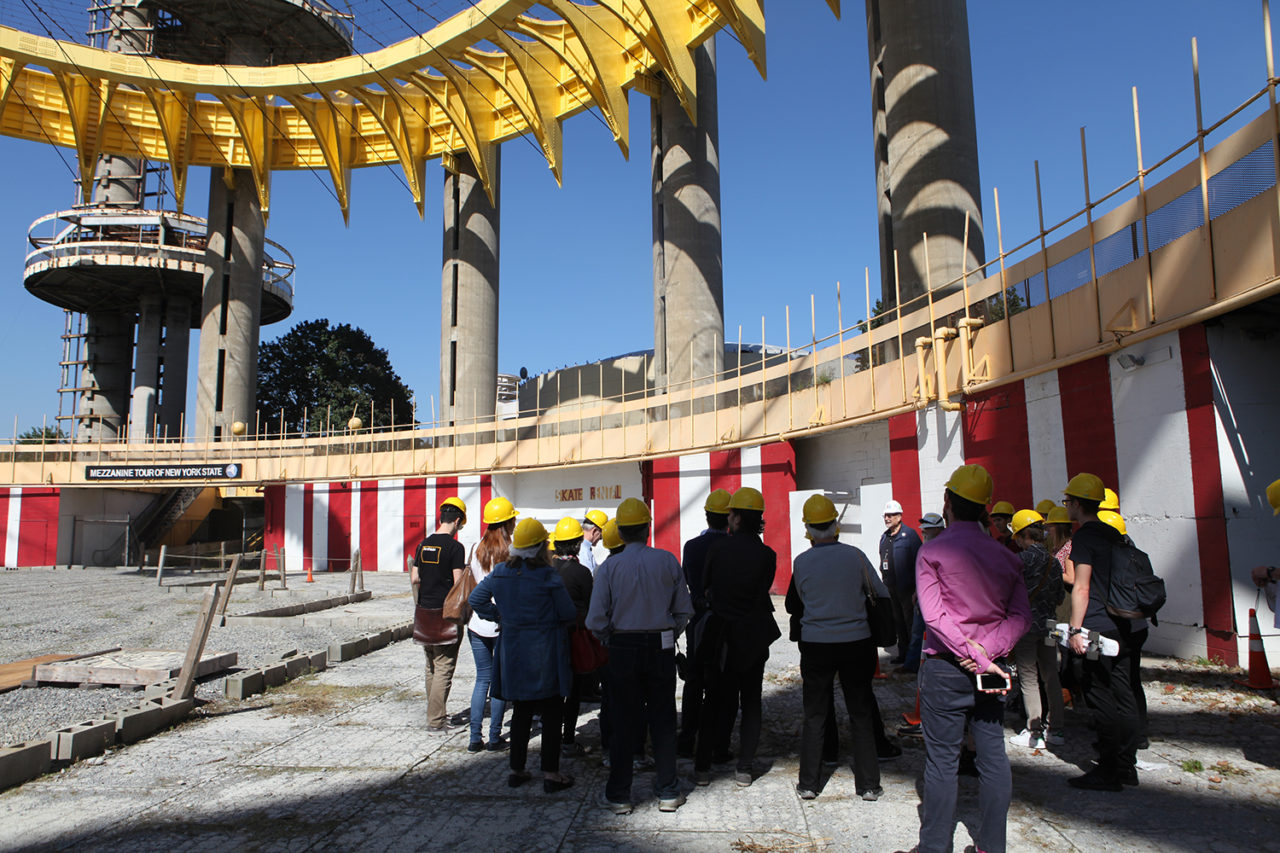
(437, 94)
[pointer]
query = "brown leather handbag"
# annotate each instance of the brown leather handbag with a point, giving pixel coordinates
(430, 628)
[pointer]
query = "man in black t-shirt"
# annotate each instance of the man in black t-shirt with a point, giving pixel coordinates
(437, 565)
(1107, 681)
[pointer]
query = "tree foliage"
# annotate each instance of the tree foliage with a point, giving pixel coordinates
(42, 435)
(328, 372)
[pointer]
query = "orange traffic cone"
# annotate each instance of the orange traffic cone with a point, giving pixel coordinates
(878, 673)
(913, 719)
(1259, 673)
(309, 578)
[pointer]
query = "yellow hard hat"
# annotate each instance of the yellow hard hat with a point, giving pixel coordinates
(1273, 496)
(633, 511)
(1110, 500)
(529, 532)
(596, 517)
(717, 502)
(610, 536)
(568, 529)
(819, 509)
(1002, 508)
(498, 510)
(1114, 519)
(1045, 506)
(1058, 515)
(456, 502)
(747, 498)
(971, 482)
(1025, 518)
(1086, 486)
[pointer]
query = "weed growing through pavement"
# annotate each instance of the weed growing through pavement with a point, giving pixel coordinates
(1192, 765)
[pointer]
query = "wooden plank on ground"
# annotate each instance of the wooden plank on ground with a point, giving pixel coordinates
(13, 674)
(129, 666)
(195, 650)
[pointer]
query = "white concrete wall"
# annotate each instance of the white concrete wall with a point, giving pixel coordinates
(535, 492)
(1044, 427)
(940, 443)
(1153, 454)
(81, 537)
(851, 466)
(1244, 353)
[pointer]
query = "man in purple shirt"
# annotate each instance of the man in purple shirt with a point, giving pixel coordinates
(974, 603)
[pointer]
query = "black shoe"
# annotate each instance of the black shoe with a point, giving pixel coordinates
(1096, 780)
(515, 780)
(475, 746)
(1144, 744)
(552, 786)
(1128, 777)
(498, 745)
(888, 750)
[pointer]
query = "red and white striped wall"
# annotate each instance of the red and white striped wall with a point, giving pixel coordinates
(29, 526)
(1143, 420)
(678, 488)
(320, 525)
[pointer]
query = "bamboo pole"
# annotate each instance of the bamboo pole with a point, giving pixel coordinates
(764, 386)
(964, 269)
(1204, 169)
(844, 392)
(1088, 211)
(813, 332)
(1271, 92)
(791, 420)
(1004, 278)
(739, 361)
(1044, 263)
(897, 298)
(871, 355)
(1142, 194)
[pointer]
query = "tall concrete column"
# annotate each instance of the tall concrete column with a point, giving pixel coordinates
(926, 141)
(469, 295)
(173, 358)
(146, 368)
(688, 275)
(104, 405)
(227, 376)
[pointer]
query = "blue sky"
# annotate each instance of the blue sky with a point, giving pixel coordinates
(798, 189)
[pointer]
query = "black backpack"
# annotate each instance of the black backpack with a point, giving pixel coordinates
(1133, 590)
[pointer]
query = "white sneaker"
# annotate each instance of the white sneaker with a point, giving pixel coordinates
(670, 804)
(1053, 739)
(1027, 739)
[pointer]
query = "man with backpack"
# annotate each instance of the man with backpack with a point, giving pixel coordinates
(1102, 602)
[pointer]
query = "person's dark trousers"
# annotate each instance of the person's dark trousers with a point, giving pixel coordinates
(522, 721)
(734, 689)
(819, 664)
(1108, 685)
(691, 706)
(900, 604)
(642, 678)
(949, 699)
(912, 663)
(831, 730)
(1139, 695)
(606, 707)
(719, 712)
(572, 705)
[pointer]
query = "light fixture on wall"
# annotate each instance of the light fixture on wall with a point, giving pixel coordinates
(1129, 361)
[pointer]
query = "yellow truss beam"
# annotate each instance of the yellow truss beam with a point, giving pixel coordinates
(436, 95)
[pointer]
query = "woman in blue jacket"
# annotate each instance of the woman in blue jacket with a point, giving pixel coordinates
(527, 598)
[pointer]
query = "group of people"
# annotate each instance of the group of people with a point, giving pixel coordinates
(974, 590)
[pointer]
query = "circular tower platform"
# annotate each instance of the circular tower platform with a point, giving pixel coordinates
(107, 258)
(290, 31)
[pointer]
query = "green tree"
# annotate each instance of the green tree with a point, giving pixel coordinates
(321, 369)
(42, 435)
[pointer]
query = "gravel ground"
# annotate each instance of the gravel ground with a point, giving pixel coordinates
(78, 611)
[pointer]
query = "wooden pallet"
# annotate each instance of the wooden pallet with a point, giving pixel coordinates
(129, 667)
(13, 674)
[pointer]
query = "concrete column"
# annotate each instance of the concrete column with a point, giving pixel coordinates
(469, 295)
(227, 376)
(104, 406)
(173, 359)
(688, 275)
(926, 141)
(146, 368)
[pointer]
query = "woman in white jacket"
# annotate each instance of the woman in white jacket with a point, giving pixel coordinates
(493, 548)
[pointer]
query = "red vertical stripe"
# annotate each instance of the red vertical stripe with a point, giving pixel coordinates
(369, 525)
(273, 512)
(38, 527)
(726, 470)
(995, 437)
(1088, 423)
(904, 467)
(416, 511)
(308, 524)
(1206, 484)
(778, 469)
(666, 505)
(339, 526)
(486, 495)
(5, 497)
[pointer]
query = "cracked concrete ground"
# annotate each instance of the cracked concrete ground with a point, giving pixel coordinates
(341, 760)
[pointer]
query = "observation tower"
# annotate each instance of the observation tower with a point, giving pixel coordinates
(135, 277)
